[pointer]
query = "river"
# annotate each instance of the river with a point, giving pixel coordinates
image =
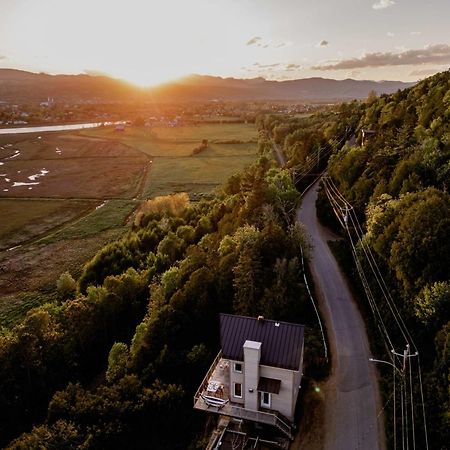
(45, 128)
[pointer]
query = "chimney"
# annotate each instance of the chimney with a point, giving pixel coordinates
(252, 355)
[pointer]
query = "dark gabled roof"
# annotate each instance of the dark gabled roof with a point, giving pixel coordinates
(282, 342)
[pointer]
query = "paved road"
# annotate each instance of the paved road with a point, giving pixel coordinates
(351, 395)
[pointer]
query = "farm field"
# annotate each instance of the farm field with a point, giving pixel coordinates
(231, 147)
(176, 141)
(57, 167)
(30, 218)
(68, 194)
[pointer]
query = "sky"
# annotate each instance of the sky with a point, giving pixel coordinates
(152, 41)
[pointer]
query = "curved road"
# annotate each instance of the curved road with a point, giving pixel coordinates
(351, 394)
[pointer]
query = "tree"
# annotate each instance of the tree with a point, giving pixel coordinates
(60, 435)
(432, 304)
(247, 273)
(282, 193)
(117, 362)
(371, 97)
(66, 286)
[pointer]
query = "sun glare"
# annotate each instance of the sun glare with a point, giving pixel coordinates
(142, 42)
(154, 76)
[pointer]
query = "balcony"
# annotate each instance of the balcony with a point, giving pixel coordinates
(213, 396)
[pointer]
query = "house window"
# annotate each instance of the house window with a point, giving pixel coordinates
(265, 399)
(238, 367)
(237, 390)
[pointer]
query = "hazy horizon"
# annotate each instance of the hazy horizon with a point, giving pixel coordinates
(151, 42)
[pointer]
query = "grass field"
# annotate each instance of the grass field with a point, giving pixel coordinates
(111, 214)
(30, 218)
(196, 174)
(90, 182)
(176, 141)
(174, 167)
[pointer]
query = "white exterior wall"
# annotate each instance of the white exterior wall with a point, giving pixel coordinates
(236, 377)
(284, 401)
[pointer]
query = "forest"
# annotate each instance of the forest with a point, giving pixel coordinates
(115, 362)
(396, 181)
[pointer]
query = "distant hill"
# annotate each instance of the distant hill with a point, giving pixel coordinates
(18, 86)
(208, 88)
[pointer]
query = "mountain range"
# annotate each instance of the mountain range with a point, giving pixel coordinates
(18, 86)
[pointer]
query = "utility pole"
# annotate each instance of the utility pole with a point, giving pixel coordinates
(403, 393)
(406, 355)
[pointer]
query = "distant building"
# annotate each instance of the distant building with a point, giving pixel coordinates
(257, 374)
(48, 103)
(366, 135)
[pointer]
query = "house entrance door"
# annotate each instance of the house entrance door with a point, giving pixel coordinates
(265, 399)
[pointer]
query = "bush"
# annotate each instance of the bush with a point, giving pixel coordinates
(66, 286)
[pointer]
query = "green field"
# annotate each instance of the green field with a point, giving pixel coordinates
(96, 179)
(174, 167)
(194, 174)
(30, 218)
(176, 141)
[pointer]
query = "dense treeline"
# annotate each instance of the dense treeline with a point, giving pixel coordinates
(58, 343)
(397, 180)
(117, 366)
(307, 142)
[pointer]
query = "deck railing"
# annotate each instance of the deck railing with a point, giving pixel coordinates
(204, 383)
(240, 412)
(261, 417)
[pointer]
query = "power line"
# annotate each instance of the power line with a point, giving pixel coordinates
(347, 216)
(314, 305)
(423, 403)
(366, 286)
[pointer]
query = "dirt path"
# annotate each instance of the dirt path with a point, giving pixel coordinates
(350, 396)
(279, 154)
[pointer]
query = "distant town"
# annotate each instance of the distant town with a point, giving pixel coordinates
(53, 111)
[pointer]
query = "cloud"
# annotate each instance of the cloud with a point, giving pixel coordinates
(390, 34)
(264, 66)
(322, 43)
(3, 57)
(279, 68)
(254, 40)
(415, 33)
(292, 67)
(382, 4)
(258, 41)
(431, 54)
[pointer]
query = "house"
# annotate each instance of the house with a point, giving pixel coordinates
(366, 135)
(257, 374)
